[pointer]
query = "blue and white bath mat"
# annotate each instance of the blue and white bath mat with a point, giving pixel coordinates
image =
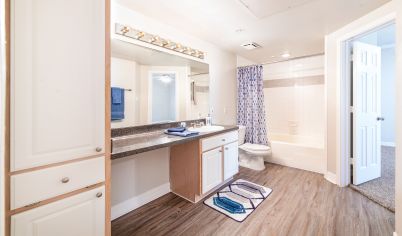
(239, 199)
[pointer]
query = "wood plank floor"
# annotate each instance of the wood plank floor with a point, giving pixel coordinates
(302, 203)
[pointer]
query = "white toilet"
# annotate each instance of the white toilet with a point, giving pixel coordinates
(251, 155)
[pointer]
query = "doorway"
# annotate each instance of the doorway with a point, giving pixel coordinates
(371, 116)
(162, 97)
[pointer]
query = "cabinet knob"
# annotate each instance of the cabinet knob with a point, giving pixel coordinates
(223, 140)
(98, 149)
(65, 180)
(220, 150)
(98, 195)
(226, 148)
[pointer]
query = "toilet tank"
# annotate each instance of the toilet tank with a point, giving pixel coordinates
(242, 134)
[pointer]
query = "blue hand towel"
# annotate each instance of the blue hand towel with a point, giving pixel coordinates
(176, 129)
(117, 103)
(117, 95)
(185, 133)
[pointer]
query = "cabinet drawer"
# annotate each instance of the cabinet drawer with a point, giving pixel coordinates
(79, 215)
(35, 186)
(219, 140)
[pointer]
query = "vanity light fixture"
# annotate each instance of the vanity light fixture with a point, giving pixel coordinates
(153, 39)
(140, 35)
(125, 30)
(156, 40)
(163, 43)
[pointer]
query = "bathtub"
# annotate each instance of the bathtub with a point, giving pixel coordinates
(302, 152)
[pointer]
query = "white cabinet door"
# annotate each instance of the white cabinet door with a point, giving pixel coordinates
(211, 169)
(79, 215)
(230, 160)
(58, 80)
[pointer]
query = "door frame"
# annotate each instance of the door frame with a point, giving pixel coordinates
(344, 68)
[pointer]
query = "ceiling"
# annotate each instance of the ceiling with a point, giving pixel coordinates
(294, 26)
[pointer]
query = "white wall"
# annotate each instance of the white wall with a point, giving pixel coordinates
(388, 95)
(139, 179)
(222, 71)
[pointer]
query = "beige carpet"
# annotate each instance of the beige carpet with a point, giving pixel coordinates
(382, 190)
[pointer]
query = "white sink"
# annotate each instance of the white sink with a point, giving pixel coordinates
(205, 129)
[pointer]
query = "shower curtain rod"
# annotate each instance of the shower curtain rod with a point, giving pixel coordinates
(293, 58)
(198, 74)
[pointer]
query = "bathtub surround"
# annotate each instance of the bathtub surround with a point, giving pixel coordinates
(294, 94)
(250, 103)
(291, 82)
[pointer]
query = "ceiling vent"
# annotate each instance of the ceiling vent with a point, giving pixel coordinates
(250, 46)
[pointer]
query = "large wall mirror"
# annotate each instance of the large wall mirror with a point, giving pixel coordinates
(151, 86)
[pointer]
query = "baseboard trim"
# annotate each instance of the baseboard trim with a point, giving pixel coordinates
(388, 144)
(331, 177)
(140, 200)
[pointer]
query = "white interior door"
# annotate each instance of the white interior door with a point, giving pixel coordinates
(366, 112)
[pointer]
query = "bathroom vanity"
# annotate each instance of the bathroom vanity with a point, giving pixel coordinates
(198, 165)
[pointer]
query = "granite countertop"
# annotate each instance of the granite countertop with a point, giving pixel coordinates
(128, 145)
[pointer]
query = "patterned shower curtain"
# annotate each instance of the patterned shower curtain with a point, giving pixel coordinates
(250, 105)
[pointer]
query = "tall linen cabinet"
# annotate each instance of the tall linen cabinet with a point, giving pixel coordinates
(59, 153)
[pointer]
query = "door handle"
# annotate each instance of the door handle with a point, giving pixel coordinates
(380, 118)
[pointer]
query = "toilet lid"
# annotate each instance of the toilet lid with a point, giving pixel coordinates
(255, 147)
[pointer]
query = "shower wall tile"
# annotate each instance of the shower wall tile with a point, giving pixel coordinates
(303, 81)
(296, 105)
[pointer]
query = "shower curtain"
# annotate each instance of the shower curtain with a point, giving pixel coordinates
(250, 103)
